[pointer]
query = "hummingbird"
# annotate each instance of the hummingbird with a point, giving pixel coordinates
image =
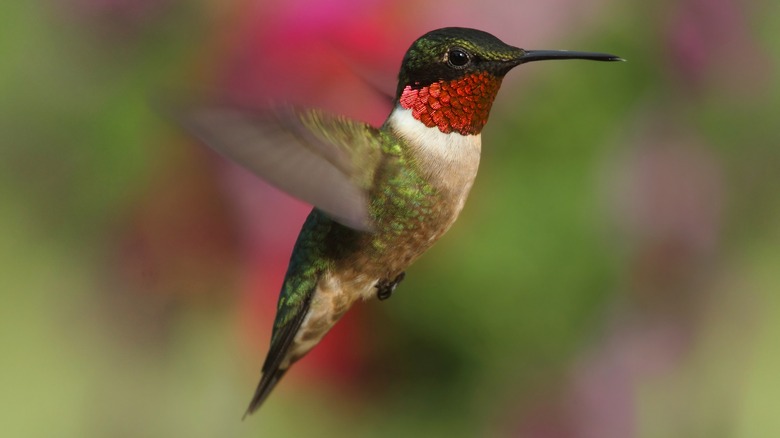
(382, 196)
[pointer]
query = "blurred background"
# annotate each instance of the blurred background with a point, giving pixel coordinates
(615, 273)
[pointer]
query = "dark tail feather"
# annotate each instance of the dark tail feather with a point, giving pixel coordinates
(272, 371)
(267, 383)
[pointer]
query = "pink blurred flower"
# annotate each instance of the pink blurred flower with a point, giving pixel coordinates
(709, 40)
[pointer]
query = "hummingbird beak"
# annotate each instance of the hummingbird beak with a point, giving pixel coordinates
(544, 55)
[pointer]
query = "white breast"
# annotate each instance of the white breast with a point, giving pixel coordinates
(452, 148)
(449, 160)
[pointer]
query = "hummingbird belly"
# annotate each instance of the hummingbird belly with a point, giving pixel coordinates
(360, 260)
(332, 298)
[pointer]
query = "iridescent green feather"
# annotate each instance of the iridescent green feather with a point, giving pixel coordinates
(307, 263)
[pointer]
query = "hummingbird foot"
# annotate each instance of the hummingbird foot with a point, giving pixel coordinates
(385, 287)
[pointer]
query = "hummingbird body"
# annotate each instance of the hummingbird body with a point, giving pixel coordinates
(425, 184)
(382, 196)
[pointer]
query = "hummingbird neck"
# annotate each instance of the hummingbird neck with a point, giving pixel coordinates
(459, 105)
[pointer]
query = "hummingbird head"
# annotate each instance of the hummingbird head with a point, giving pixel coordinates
(449, 77)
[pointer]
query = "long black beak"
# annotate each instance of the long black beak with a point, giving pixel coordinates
(543, 55)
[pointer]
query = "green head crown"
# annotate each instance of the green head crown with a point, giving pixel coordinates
(452, 53)
(450, 77)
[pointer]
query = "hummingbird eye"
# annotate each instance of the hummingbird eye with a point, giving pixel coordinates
(458, 58)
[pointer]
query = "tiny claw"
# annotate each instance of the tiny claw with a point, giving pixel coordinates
(385, 287)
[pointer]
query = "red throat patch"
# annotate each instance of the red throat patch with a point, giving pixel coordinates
(461, 105)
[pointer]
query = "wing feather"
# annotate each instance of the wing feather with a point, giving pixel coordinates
(324, 160)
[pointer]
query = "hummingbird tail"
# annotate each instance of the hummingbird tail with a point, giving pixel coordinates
(280, 346)
(267, 383)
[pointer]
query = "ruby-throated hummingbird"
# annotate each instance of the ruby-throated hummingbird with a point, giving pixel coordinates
(382, 196)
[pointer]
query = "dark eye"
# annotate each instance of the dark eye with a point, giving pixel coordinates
(457, 57)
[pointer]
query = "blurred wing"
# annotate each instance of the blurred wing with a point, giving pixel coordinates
(321, 159)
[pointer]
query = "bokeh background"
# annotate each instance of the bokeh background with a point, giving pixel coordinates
(615, 273)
